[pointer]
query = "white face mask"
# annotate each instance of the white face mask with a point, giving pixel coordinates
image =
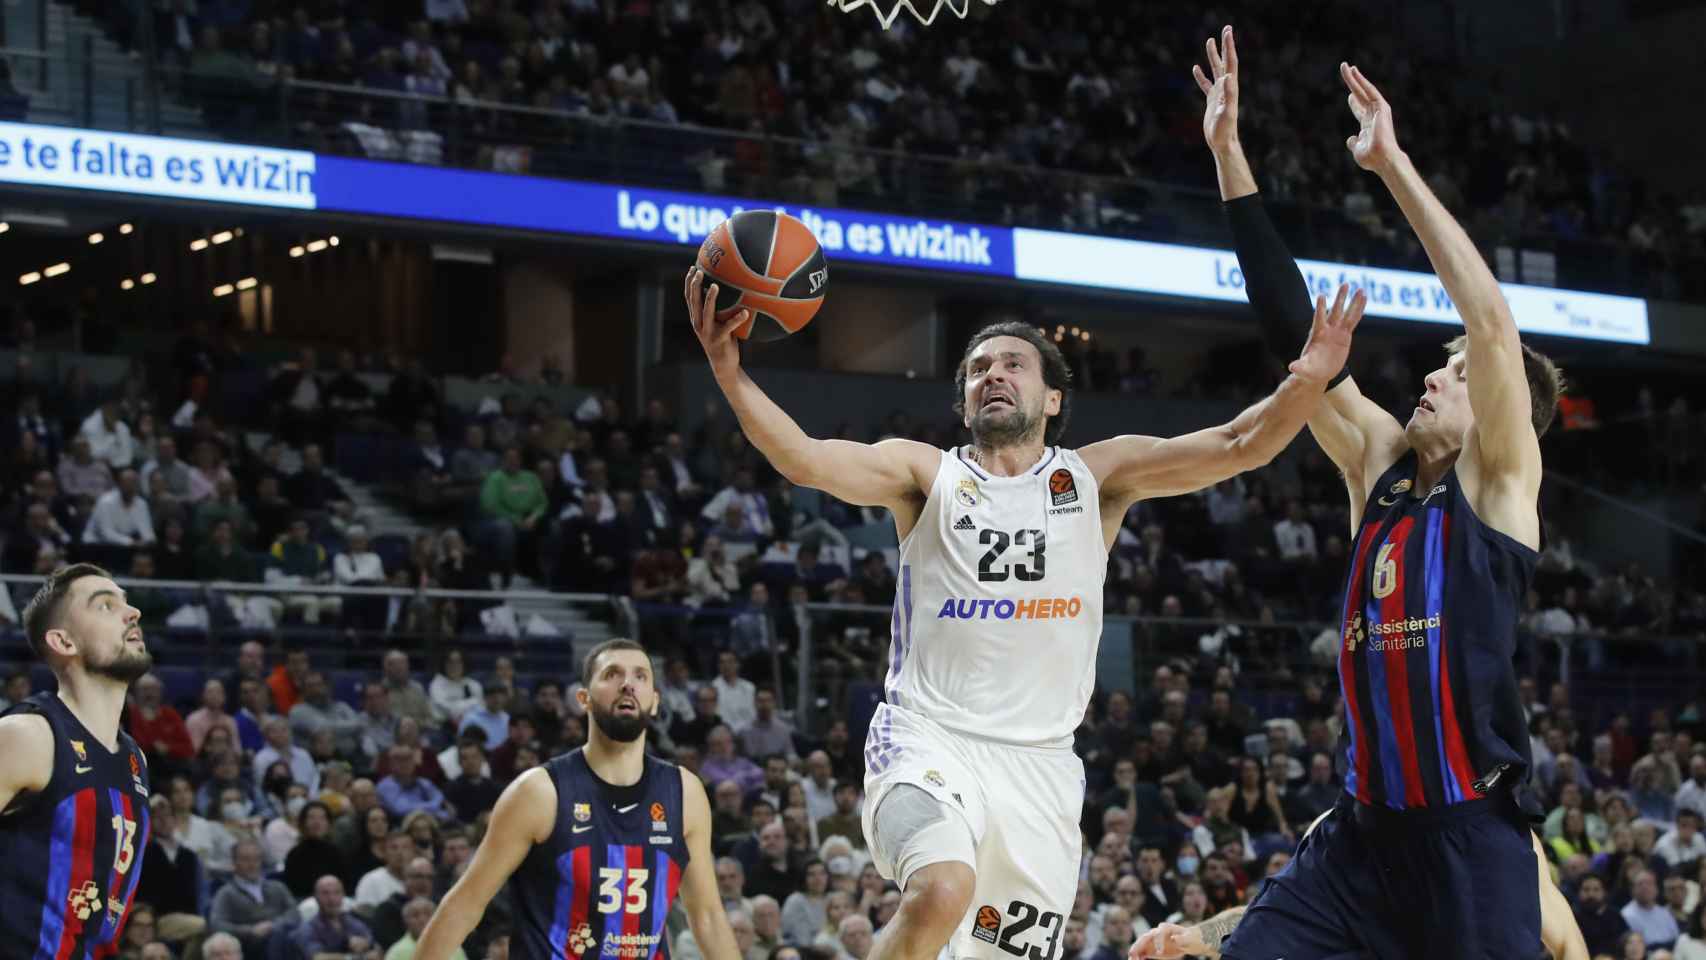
(294, 806)
(235, 810)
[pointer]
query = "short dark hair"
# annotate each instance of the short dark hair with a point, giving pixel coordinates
(1057, 375)
(608, 646)
(1545, 382)
(41, 614)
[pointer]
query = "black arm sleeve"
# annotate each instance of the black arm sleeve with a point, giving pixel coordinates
(1271, 279)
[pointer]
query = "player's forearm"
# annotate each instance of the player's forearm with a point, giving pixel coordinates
(1217, 928)
(1466, 277)
(712, 932)
(1263, 430)
(1232, 170)
(451, 923)
(769, 428)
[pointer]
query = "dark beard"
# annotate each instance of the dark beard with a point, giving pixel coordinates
(614, 726)
(126, 667)
(1008, 431)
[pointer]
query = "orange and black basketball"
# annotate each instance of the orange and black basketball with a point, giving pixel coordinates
(769, 263)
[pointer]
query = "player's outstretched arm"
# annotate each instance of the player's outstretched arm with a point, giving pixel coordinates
(699, 896)
(26, 741)
(1361, 438)
(1132, 468)
(525, 815)
(889, 474)
(1503, 436)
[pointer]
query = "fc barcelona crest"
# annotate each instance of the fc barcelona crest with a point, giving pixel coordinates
(583, 812)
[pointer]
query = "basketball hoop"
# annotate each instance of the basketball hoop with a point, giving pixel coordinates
(959, 8)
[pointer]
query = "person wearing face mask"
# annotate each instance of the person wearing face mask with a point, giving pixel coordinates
(250, 907)
(1187, 863)
(281, 832)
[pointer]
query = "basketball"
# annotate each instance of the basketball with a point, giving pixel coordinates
(769, 263)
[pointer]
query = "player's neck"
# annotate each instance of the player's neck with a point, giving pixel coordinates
(1434, 456)
(1008, 461)
(616, 763)
(97, 703)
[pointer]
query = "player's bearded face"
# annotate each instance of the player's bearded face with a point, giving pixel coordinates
(620, 717)
(123, 659)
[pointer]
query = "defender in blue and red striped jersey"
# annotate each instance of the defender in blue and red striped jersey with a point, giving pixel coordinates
(1429, 851)
(597, 843)
(73, 786)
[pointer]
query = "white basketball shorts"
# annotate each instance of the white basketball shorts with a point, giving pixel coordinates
(1019, 807)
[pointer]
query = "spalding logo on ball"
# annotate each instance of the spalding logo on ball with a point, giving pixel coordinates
(769, 263)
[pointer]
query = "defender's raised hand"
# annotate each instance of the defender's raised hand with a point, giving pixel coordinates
(1329, 344)
(716, 336)
(1375, 147)
(1220, 86)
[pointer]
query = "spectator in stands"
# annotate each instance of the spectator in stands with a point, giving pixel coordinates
(1683, 847)
(311, 488)
(491, 719)
(333, 930)
(408, 697)
(211, 714)
(712, 577)
(736, 695)
(288, 681)
(281, 747)
(768, 734)
(1601, 925)
(173, 876)
(402, 792)
(81, 476)
(473, 462)
(317, 711)
(704, 719)
(844, 821)
(754, 508)
(120, 517)
(40, 531)
(387, 920)
(108, 436)
(224, 505)
(775, 873)
(1691, 795)
(722, 763)
(250, 906)
(158, 728)
(472, 788)
(855, 936)
(453, 691)
(223, 559)
(360, 566)
(314, 854)
(166, 464)
(504, 760)
(386, 880)
(512, 501)
(298, 561)
(1645, 916)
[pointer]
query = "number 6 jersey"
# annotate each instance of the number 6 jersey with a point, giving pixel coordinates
(998, 602)
(71, 853)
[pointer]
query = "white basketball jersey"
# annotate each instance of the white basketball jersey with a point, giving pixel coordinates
(998, 606)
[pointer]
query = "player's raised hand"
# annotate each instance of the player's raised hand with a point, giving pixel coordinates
(1329, 344)
(716, 336)
(1376, 144)
(1220, 86)
(1168, 941)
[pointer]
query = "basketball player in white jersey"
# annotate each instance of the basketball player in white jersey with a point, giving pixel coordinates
(972, 792)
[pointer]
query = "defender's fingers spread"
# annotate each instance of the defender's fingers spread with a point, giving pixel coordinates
(1231, 52)
(1202, 81)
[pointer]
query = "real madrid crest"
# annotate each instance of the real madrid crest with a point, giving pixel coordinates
(583, 812)
(967, 492)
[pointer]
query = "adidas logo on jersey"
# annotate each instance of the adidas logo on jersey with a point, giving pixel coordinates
(964, 523)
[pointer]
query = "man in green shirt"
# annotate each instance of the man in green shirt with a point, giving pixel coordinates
(512, 501)
(296, 560)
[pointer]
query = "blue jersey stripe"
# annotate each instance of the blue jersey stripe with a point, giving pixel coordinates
(1433, 559)
(1391, 762)
(58, 878)
(615, 858)
(906, 599)
(559, 933)
(660, 892)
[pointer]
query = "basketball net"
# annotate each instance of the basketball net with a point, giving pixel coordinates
(958, 7)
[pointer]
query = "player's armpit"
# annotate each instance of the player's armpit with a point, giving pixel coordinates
(26, 741)
(525, 814)
(699, 896)
(883, 474)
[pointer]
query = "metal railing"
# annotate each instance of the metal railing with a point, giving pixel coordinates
(762, 163)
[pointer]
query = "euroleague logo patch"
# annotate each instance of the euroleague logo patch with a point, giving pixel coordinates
(1062, 490)
(712, 253)
(988, 925)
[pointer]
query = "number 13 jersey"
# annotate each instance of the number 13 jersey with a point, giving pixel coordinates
(998, 603)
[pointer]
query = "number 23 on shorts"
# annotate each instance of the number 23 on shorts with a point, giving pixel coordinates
(988, 927)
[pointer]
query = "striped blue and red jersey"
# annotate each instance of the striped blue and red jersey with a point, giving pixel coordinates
(602, 885)
(1432, 712)
(71, 853)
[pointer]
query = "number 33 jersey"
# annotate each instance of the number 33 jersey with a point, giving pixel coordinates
(71, 854)
(998, 602)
